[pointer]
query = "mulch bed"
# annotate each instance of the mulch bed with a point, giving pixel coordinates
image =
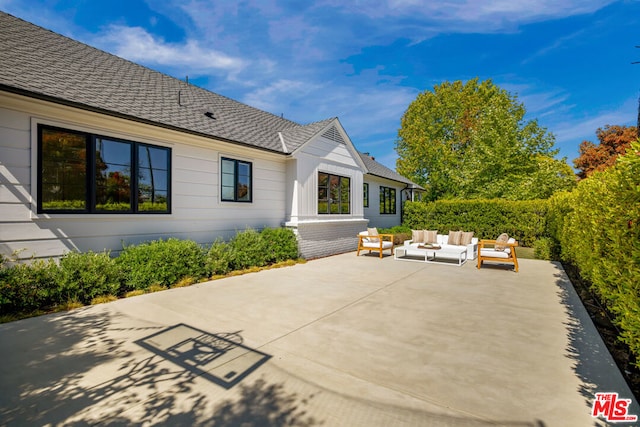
(608, 331)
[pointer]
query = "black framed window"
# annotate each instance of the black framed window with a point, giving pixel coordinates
(387, 200)
(334, 194)
(236, 182)
(365, 197)
(81, 172)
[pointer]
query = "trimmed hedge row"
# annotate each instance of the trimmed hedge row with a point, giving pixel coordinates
(523, 220)
(81, 277)
(597, 227)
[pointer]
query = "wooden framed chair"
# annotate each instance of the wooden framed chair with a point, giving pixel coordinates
(375, 242)
(491, 250)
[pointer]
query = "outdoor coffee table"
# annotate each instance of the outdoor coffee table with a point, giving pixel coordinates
(441, 256)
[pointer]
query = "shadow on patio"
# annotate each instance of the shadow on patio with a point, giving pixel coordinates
(56, 353)
(586, 348)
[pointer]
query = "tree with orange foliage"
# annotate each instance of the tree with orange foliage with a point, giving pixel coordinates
(614, 141)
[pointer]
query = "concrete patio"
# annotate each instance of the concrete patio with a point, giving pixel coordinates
(338, 341)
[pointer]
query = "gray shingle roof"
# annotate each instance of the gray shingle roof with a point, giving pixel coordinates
(296, 136)
(378, 169)
(40, 63)
(43, 64)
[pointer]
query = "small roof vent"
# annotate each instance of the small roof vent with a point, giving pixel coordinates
(333, 134)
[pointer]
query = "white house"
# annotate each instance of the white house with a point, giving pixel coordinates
(97, 152)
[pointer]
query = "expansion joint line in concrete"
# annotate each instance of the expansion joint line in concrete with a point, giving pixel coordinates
(327, 315)
(351, 304)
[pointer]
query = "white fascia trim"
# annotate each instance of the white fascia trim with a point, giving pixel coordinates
(284, 146)
(326, 221)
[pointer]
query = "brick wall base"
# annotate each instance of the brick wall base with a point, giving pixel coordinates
(318, 239)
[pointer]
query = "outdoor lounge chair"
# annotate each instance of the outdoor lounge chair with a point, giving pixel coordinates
(372, 241)
(498, 251)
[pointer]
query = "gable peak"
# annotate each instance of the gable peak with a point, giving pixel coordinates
(334, 135)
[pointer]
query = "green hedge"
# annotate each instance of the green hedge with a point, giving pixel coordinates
(247, 249)
(597, 226)
(281, 244)
(523, 220)
(161, 263)
(81, 277)
(29, 287)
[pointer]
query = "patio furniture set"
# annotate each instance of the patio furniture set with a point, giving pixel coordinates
(455, 248)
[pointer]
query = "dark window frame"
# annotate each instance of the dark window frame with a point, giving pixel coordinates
(90, 193)
(365, 195)
(236, 163)
(387, 196)
(326, 189)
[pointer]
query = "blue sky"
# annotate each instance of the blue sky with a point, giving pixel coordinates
(364, 61)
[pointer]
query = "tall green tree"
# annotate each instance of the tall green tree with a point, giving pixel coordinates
(470, 140)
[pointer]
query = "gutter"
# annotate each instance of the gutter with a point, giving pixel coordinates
(85, 107)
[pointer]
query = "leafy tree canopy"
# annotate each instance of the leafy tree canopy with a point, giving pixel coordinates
(613, 142)
(470, 140)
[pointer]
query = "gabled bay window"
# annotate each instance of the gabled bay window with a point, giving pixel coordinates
(79, 172)
(334, 194)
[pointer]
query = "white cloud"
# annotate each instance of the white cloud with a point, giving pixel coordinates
(537, 101)
(556, 44)
(470, 15)
(585, 128)
(369, 109)
(571, 131)
(136, 44)
(279, 94)
(545, 103)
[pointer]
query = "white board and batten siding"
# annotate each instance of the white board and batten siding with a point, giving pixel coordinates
(323, 155)
(197, 212)
(324, 234)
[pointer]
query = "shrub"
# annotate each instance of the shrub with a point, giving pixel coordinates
(28, 287)
(161, 263)
(600, 234)
(543, 248)
(523, 220)
(281, 244)
(400, 233)
(85, 276)
(560, 206)
(218, 258)
(247, 249)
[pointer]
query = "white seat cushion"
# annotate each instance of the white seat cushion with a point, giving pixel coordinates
(376, 245)
(495, 254)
